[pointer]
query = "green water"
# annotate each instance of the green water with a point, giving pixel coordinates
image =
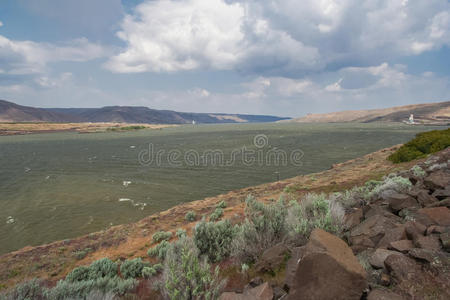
(62, 185)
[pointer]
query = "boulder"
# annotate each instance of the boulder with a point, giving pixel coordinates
(353, 218)
(401, 267)
(430, 256)
(442, 194)
(371, 231)
(429, 242)
(398, 201)
(379, 294)
(261, 292)
(328, 270)
(424, 198)
(440, 215)
(381, 210)
(378, 257)
(401, 246)
(414, 230)
(437, 180)
(272, 258)
(391, 235)
(436, 229)
(445, 240)
(445, 202)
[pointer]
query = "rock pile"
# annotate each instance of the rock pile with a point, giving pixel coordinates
(397, 247)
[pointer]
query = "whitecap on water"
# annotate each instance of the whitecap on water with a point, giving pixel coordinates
(139, 205)
(126, 183)
(27, 169)
(10, 220)
(132, 147)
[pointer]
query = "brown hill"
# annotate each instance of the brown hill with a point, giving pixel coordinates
(11, 112)
(429, 113)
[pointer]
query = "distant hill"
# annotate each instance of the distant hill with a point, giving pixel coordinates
(429, 113)
(11, 112)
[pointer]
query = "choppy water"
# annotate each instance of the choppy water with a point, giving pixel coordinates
(62, 185)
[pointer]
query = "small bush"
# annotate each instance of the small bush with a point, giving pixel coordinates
(80, 254)
(418, 171)
(424, 143)
(148, 272)
(216, 215)
(222, 204)
(390, 184)
(264, 227)
(190, 216)
(161, 236)
(78, 274)
(180, 233)
(214, 239)
(132, 268)
(28, 290)
(159, 250)
(102, 268)
(186, 277)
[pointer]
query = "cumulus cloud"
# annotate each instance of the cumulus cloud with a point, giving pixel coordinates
(276, 37)
(28, 57)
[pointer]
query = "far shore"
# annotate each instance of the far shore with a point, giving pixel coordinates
(87, 127)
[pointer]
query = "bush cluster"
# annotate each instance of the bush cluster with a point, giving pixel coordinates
(214, 239)
(186, 276)
(216, 215)
(132, 268)
(161, 236)
(190, 216)
(159, 250)
(424, 143)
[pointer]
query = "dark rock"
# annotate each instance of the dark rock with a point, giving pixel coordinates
(254, 282)
(328, 270)
(291, 265)
(374, 210)
(436, 229)
(261, 292)
(272, 258)
(445, 202)
(385, 279)
(379, 294)
(391, 235)
(371, 231)
(437, 180)
(429, 242)
(402, 246)
(431, 256)
(445, 240)
(440, 215)
(353, 218)
(398, 201)
(414, 230)
(424, 198)
(401, 267)
(377, 259)
(442, 194)
(278, 293)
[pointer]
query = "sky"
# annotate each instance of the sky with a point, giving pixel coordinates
(277, 57)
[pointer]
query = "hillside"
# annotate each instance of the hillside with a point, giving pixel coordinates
(11, 112)
(429, 113)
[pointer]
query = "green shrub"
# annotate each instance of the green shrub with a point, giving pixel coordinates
(221, 204)
(28, 290)
(159, 250)
(80, 254)
(180, 233)
(190, 216)
(132, 268)
(78, 274)
(216, 215)
(148, 272)
(264, 227)
(391, 183)
(186, 277)
(214, 239)
(102, 268)
(424, 143)
(315, 211)
(418, 171)
(161, 236)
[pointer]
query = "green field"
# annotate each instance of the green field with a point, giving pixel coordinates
(62, 185)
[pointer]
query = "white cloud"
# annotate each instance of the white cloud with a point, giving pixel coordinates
(276, 37)
(1, 23)
(28, 57)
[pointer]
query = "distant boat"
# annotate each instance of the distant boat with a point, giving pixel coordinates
(193, 122)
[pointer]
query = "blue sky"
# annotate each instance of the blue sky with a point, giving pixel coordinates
(284, 57)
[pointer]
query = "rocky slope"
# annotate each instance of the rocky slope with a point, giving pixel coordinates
(429, 113)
